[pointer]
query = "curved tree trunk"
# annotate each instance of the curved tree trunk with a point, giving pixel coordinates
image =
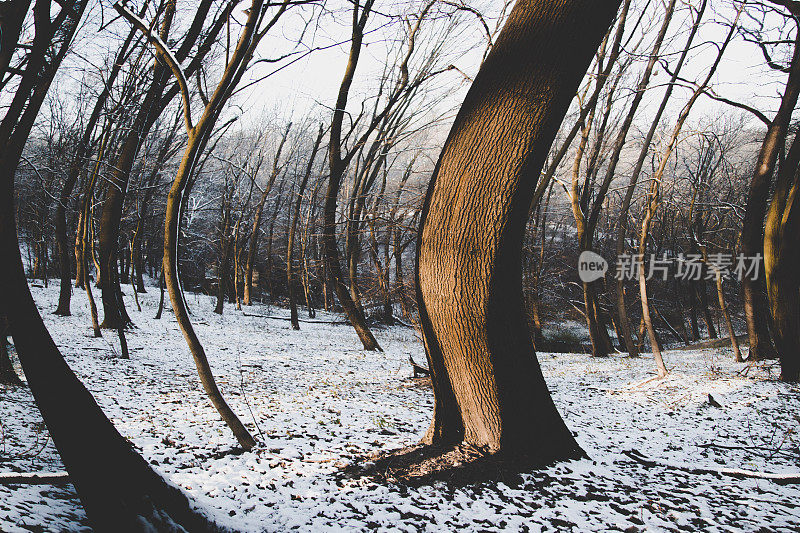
(181, 315)
(755, 304)
(83, 435)
(488, 386)
(198, 136)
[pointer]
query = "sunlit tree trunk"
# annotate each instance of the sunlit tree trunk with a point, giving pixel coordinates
(755, 304)
(782, 263)
(488, 386)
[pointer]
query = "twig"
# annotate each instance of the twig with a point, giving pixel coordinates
(781, 479)
(34, 478)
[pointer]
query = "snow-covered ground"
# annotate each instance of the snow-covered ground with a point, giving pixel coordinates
(316, 402)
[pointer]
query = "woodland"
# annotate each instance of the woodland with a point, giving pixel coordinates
(419, 265)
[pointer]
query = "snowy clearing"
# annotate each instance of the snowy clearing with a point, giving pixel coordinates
(317, 401)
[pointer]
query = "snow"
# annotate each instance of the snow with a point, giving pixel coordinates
(317, 402)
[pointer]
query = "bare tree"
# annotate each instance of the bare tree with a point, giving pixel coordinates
(488, 386)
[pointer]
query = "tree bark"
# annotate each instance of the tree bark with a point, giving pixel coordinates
(755, 304)
(488, 386)
(782, 264)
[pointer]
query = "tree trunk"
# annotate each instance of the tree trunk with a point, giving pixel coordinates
(253, 248)
(337, 166)
(222, 275)
(693, 312)
(161, 296)
(782, 264)
(622, 221)
(755, 304)
(488, 386)
(705, 311)
(723, 307)
(80, 272)
(294, 219)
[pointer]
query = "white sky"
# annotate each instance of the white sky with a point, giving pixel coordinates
(310, 85)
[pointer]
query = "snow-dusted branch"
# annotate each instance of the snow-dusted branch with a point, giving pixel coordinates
(782, 479)
(167, 56)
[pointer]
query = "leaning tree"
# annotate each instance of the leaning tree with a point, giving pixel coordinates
(95, 454)
(489, 389)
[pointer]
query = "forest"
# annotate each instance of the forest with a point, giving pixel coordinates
(416, 265)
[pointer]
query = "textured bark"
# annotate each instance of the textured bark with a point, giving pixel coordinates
(487, 382)
(755, 305)
(782, 263)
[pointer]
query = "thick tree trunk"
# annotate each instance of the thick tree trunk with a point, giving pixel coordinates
(488, 386)
(782, 264)
(755, 304)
